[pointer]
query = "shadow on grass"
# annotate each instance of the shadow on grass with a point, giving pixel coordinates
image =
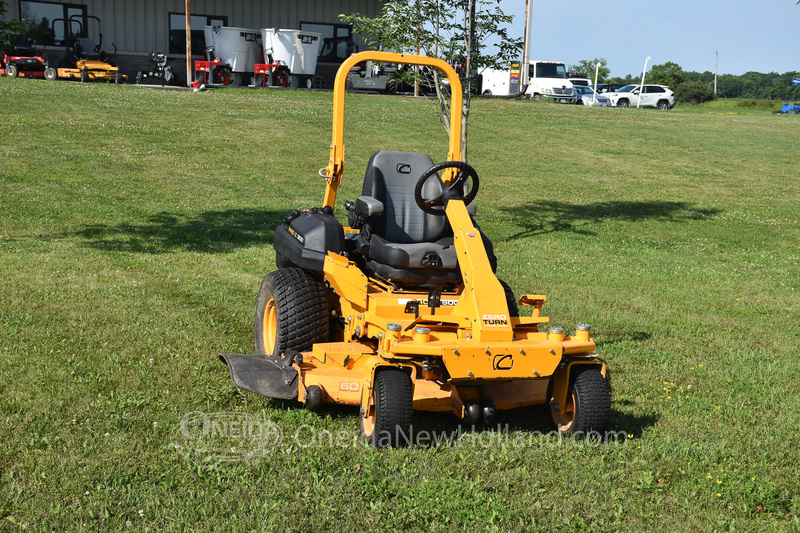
(633, 336)
(208, 232)
(542, 217)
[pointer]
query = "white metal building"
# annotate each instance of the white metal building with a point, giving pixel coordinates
(141, 27)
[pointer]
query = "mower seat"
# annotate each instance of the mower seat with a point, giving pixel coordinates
(401, 242)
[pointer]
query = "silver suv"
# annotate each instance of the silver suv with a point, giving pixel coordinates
(659, 96)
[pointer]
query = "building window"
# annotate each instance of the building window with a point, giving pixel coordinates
(46, 22)
(337, 40)
(177, 32)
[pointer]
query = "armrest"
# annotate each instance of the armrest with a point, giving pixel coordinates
(367, 206)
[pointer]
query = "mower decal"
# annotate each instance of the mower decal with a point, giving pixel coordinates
(494, 320)
(307, 39)
(472, 235)
(442, 303)
(503, 361)
(296, 235)
(349, 386)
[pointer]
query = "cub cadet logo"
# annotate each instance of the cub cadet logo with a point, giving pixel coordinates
(495, 320)
(296, 235)
(503, 361)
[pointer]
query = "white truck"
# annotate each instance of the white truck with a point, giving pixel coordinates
(546, 79)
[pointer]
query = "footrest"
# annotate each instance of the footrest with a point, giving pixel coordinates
(273, 377)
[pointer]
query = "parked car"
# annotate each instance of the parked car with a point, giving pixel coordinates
(603, 88)
(659, 96)
(587, 96)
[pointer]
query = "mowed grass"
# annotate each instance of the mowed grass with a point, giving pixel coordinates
(136, 225)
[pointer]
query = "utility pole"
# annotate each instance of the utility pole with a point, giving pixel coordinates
(716, 62)
(188, 46)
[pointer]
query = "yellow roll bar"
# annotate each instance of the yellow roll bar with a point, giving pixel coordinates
(335, 168)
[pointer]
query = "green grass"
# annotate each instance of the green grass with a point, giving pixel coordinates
(136, 224)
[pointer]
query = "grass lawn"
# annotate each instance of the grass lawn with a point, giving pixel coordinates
(136, 225)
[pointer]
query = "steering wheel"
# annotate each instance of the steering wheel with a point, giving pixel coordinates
(436, 205)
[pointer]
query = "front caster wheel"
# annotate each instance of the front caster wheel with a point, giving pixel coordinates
(588, 405)
(387, 422)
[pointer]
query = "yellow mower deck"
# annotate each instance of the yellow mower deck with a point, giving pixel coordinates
(95, 70)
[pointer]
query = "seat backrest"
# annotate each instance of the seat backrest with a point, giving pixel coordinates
(391, 178)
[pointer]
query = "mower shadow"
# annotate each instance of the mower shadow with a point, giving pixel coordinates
(542, 217)
(213, 232)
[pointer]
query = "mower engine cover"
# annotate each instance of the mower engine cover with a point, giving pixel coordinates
(306, 237)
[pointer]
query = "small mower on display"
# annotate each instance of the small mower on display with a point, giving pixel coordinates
(85, 61)
(159, 70)
(23, 61)
(402, 310)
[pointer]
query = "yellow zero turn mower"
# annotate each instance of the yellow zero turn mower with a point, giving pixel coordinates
(402, 310)
(85, 61)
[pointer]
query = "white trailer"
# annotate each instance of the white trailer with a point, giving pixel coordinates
(291, 56)
(239, 48)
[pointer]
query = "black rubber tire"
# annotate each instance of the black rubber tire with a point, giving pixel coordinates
(393, 410)
(348, 81)
(623, 103)
(84, 76)
(50, 74)
(300, 310)
(663, 104)
(472, 413)
(591, 401)
(119, 78)
(511, 300)
(12, 71)
(391, 82)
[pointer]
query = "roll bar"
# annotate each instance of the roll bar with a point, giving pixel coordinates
(333, 172)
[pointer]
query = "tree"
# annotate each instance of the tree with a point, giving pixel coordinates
(453, 30)
(694, 92)
(587, 67)
(669, 74)
(9, 29)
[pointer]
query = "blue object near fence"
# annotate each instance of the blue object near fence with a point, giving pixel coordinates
(791, 109)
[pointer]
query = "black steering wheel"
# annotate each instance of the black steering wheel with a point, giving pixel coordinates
(436, 205)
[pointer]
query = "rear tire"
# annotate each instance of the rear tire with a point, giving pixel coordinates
(387, 423)
(588, 404)
(291, 312)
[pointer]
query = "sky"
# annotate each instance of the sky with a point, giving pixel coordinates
(749, 36)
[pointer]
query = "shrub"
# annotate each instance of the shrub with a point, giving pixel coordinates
(694, 92)
(762, 104)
